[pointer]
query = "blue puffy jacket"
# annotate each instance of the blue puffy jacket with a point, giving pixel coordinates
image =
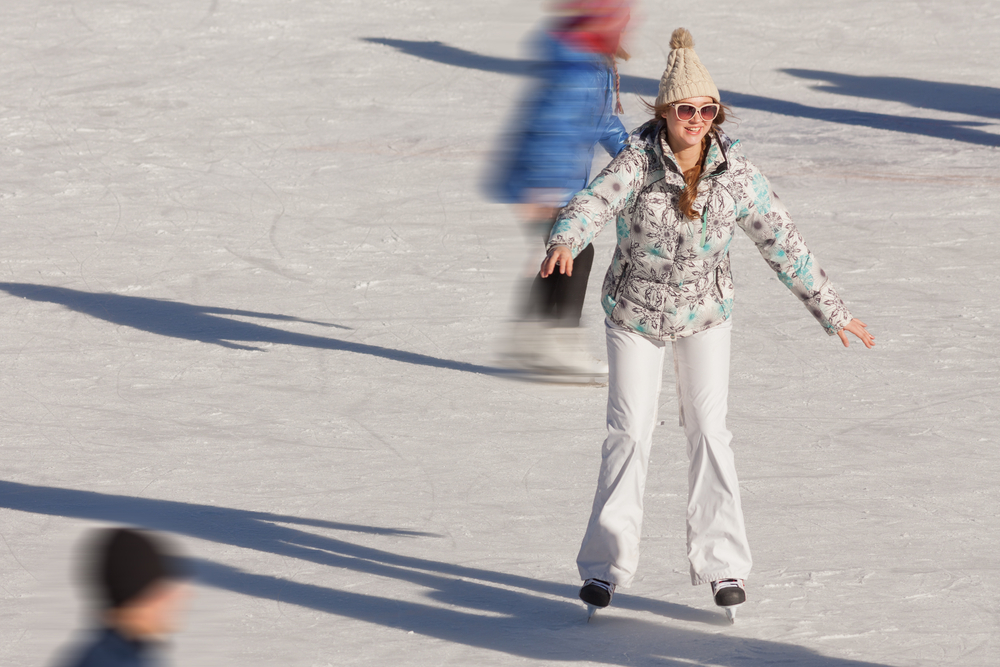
(569, 111)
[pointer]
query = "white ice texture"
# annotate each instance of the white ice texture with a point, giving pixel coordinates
(252, 297)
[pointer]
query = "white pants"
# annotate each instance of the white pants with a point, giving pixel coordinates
(716, 535)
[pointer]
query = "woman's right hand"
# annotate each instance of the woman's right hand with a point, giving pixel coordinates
(560, 256)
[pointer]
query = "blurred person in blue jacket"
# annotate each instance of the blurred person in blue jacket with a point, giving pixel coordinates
(139, 593)
(547, 159)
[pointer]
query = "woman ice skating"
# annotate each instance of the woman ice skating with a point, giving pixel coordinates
(677, 194)
(571, 110)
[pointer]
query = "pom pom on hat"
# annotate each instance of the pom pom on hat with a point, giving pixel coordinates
(681, 39)
(684, 76)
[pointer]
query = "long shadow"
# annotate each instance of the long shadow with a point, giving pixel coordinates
(501, 612)
(930, 127)
(952, 97)
(206, 324)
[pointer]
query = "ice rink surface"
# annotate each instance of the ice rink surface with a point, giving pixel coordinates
(252, 297)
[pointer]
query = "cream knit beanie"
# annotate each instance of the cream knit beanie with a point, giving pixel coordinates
(685, 76)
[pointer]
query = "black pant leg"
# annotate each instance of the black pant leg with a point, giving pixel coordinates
(559, 297)
(570, 292)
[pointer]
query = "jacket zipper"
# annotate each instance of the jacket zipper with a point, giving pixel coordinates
(621, 281)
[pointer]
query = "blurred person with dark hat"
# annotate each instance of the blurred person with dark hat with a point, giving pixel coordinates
(546, 159)
(139, 590)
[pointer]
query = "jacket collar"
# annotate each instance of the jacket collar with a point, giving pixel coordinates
(654, 134)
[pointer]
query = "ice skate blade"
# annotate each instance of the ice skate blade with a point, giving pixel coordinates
(596, 380)
(591, 610)
(731, 613)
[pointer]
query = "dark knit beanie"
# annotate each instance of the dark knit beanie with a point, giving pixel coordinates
(128, 562)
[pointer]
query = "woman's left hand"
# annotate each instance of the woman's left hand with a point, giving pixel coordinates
(858, 328)
(560, 256)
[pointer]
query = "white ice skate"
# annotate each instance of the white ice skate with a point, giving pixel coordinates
(522, 348)
(559, 355)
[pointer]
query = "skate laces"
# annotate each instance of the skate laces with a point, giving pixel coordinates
(727, 583)
(610, 588)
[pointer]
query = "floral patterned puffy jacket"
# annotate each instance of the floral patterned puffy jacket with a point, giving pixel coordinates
(670, 275)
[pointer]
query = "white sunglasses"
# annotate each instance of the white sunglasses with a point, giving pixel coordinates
(687, 111)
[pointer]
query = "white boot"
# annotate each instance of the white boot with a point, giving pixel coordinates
(521, 349)
(564, 352)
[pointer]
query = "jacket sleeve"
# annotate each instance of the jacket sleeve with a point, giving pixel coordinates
(614, 137)
(607, 195)
(766, 221)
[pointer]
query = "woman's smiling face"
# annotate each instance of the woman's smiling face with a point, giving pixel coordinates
(683, 134)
